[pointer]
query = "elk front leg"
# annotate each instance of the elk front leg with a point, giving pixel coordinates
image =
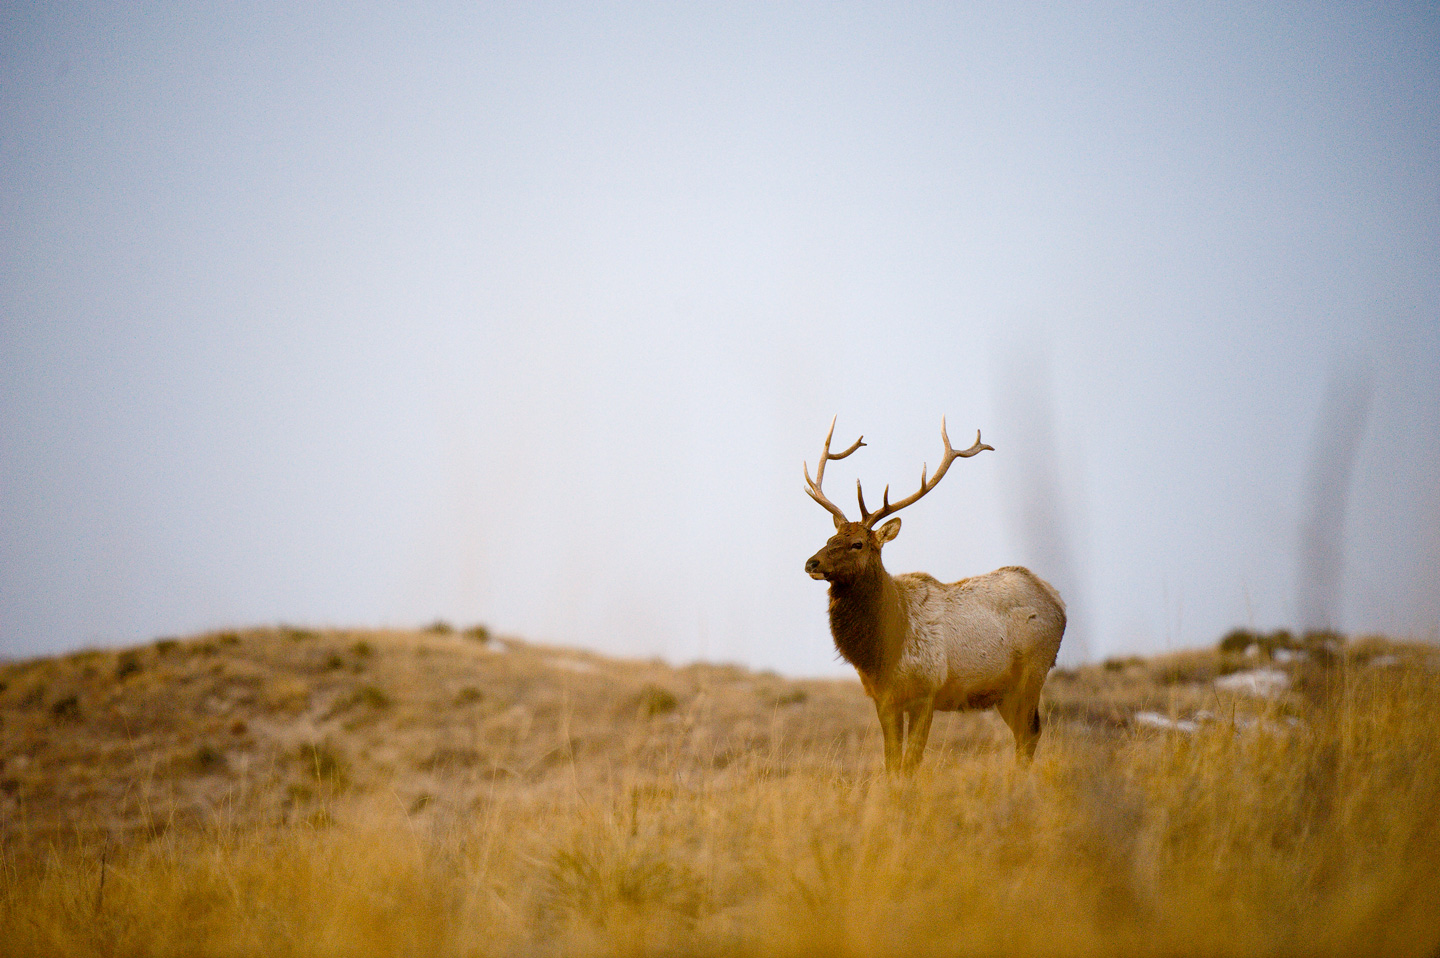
(892, 720)
(918, 733)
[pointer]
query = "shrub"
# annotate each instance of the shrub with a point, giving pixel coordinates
(323, 762)
(209, 759)
(654, 700)
(1317, 639)
(1184, 672)
(1240, 641)
(370, 696)
(128, 664)
(1237, 641)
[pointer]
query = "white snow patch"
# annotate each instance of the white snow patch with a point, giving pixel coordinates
(1263, 682)
(1203, 717)
(1156, 720)
(1267, 726)
(572, 665)
(1384, 661)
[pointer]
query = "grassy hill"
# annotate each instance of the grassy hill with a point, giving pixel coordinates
(289, 791)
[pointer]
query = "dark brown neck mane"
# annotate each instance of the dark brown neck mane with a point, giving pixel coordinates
(855, 619)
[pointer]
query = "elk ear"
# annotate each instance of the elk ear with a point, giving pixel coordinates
(888, 531)
(838, 520)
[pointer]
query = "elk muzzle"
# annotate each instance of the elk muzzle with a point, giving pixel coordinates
(812, 566)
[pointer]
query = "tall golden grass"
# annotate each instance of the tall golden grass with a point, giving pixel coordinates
(1311, 828)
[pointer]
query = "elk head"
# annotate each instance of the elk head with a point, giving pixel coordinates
(853, 552)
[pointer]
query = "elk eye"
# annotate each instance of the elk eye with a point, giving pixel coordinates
(857, 545)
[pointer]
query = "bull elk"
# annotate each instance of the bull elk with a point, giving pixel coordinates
(920, 645)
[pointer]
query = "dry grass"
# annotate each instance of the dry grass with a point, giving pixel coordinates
(285, 792)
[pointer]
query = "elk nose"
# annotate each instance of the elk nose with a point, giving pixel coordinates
(812, 565)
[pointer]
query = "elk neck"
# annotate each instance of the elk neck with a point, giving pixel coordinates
(860, 609)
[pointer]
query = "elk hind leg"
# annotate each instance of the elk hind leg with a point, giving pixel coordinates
(1021, 712)
(1021, 706)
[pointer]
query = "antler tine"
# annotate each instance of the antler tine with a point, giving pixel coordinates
(978, 447)
(868, 519)
(812, 488)
(860, 494)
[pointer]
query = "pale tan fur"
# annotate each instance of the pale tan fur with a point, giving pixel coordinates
(986, 641)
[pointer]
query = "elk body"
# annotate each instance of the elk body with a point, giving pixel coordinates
(921, 645)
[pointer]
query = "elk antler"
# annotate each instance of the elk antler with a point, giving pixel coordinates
(813, 488)
(868, 519)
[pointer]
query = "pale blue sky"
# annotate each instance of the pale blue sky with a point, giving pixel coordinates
(529, 314)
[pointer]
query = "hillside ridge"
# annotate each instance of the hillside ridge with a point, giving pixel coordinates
(283, 724)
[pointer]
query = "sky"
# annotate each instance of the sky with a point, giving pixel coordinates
(529, 314)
